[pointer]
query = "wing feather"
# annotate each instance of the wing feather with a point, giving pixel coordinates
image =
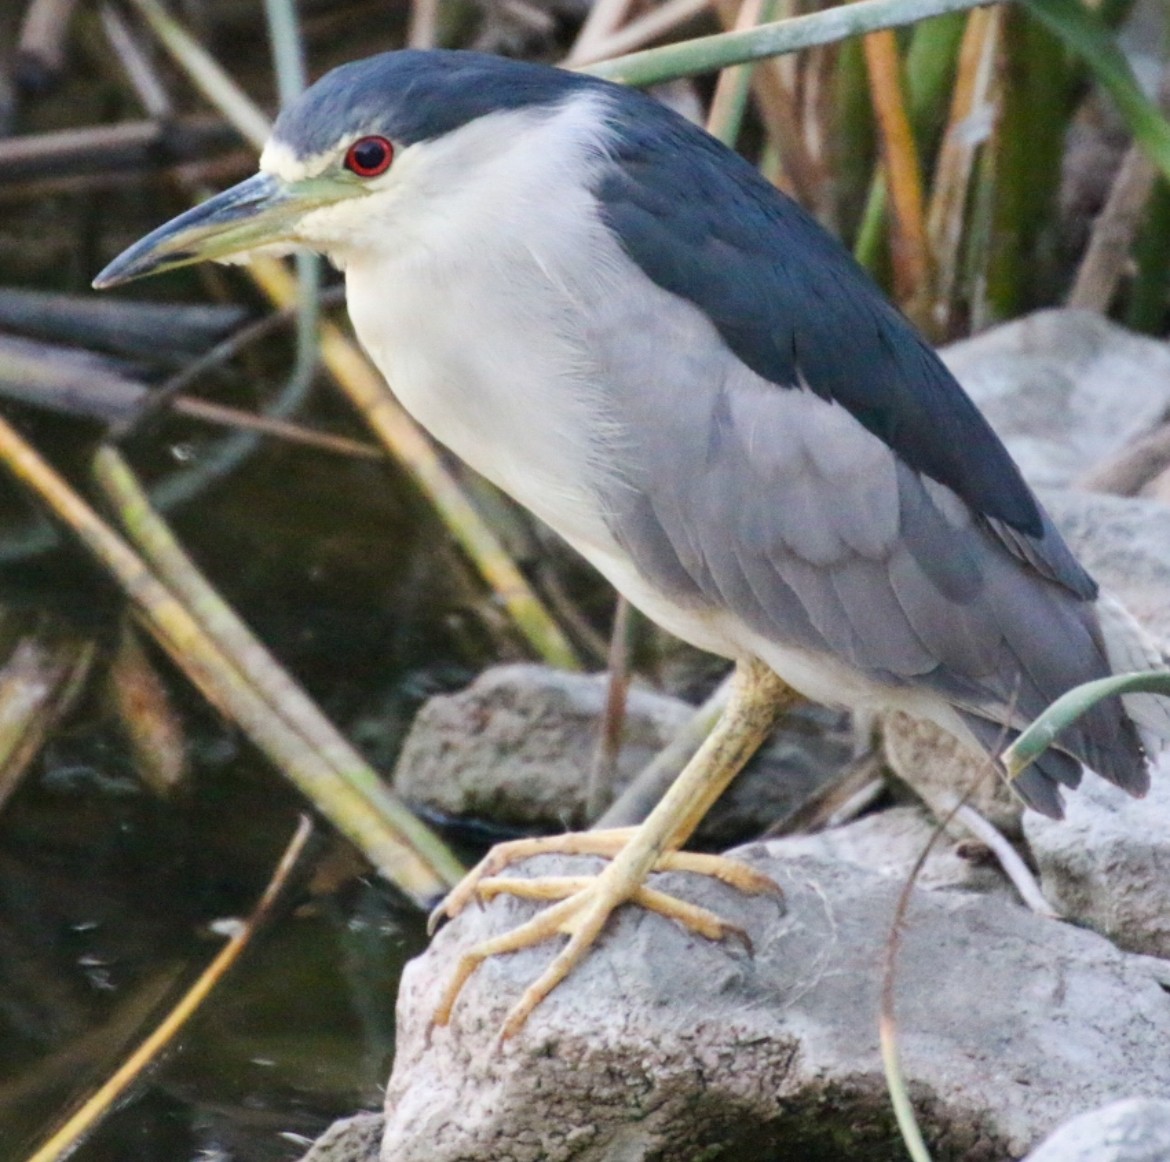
(781, 505)
(851, 554)
(791, 304)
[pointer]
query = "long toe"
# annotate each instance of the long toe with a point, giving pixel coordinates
(602, 843)
(580, 909)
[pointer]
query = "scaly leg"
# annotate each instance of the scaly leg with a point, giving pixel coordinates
(584, 904)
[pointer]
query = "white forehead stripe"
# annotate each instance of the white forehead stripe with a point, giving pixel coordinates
(279, 160)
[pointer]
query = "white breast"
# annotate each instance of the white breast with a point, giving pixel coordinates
(473, 310)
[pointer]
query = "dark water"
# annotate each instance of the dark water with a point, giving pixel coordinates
(107, 893)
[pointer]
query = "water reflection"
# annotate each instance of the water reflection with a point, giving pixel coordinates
(107, 892)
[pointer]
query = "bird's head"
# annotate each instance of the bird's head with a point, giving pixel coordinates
(350, 163)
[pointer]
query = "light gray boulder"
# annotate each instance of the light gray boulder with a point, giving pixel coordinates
(355, 1139)
(517, 746)
(1125, 543)
(1133, 1130)
(940, 769)
(1107, 864)
(891, 842)
(664, 1046)
(1064, 389)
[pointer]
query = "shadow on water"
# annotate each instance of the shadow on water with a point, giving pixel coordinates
(107, 892)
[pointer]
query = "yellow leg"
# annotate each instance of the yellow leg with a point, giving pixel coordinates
(584, 904)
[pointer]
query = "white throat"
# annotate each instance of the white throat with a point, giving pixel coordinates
(477, 311)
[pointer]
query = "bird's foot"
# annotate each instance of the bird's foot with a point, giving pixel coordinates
(583, 904)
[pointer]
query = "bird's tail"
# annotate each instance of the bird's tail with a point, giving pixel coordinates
(1120, 747)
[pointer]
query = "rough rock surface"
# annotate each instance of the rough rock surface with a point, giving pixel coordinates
(890, 843)
(517, 745)
(1133, 1130)
(663, 1045)
(1107, 865)
(356, 1139)
(1064, 389)
(1125, 543)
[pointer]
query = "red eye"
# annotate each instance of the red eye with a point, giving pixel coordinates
(369, 156)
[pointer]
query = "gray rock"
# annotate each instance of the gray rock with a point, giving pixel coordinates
(664, 1046)
(940, 769)
(1134, 1130)
(1125, 543)
(1107, 865)
(517, 745)
(1064, 389)
(356, 1139)
(891, 843)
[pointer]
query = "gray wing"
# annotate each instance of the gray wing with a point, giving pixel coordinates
(781, 507)
(790, 303)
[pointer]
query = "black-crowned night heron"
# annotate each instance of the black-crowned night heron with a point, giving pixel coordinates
(623, 325)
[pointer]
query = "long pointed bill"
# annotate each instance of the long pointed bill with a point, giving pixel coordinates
(261, 211)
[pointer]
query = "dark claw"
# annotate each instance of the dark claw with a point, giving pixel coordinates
(435, 919)
(740, 934)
